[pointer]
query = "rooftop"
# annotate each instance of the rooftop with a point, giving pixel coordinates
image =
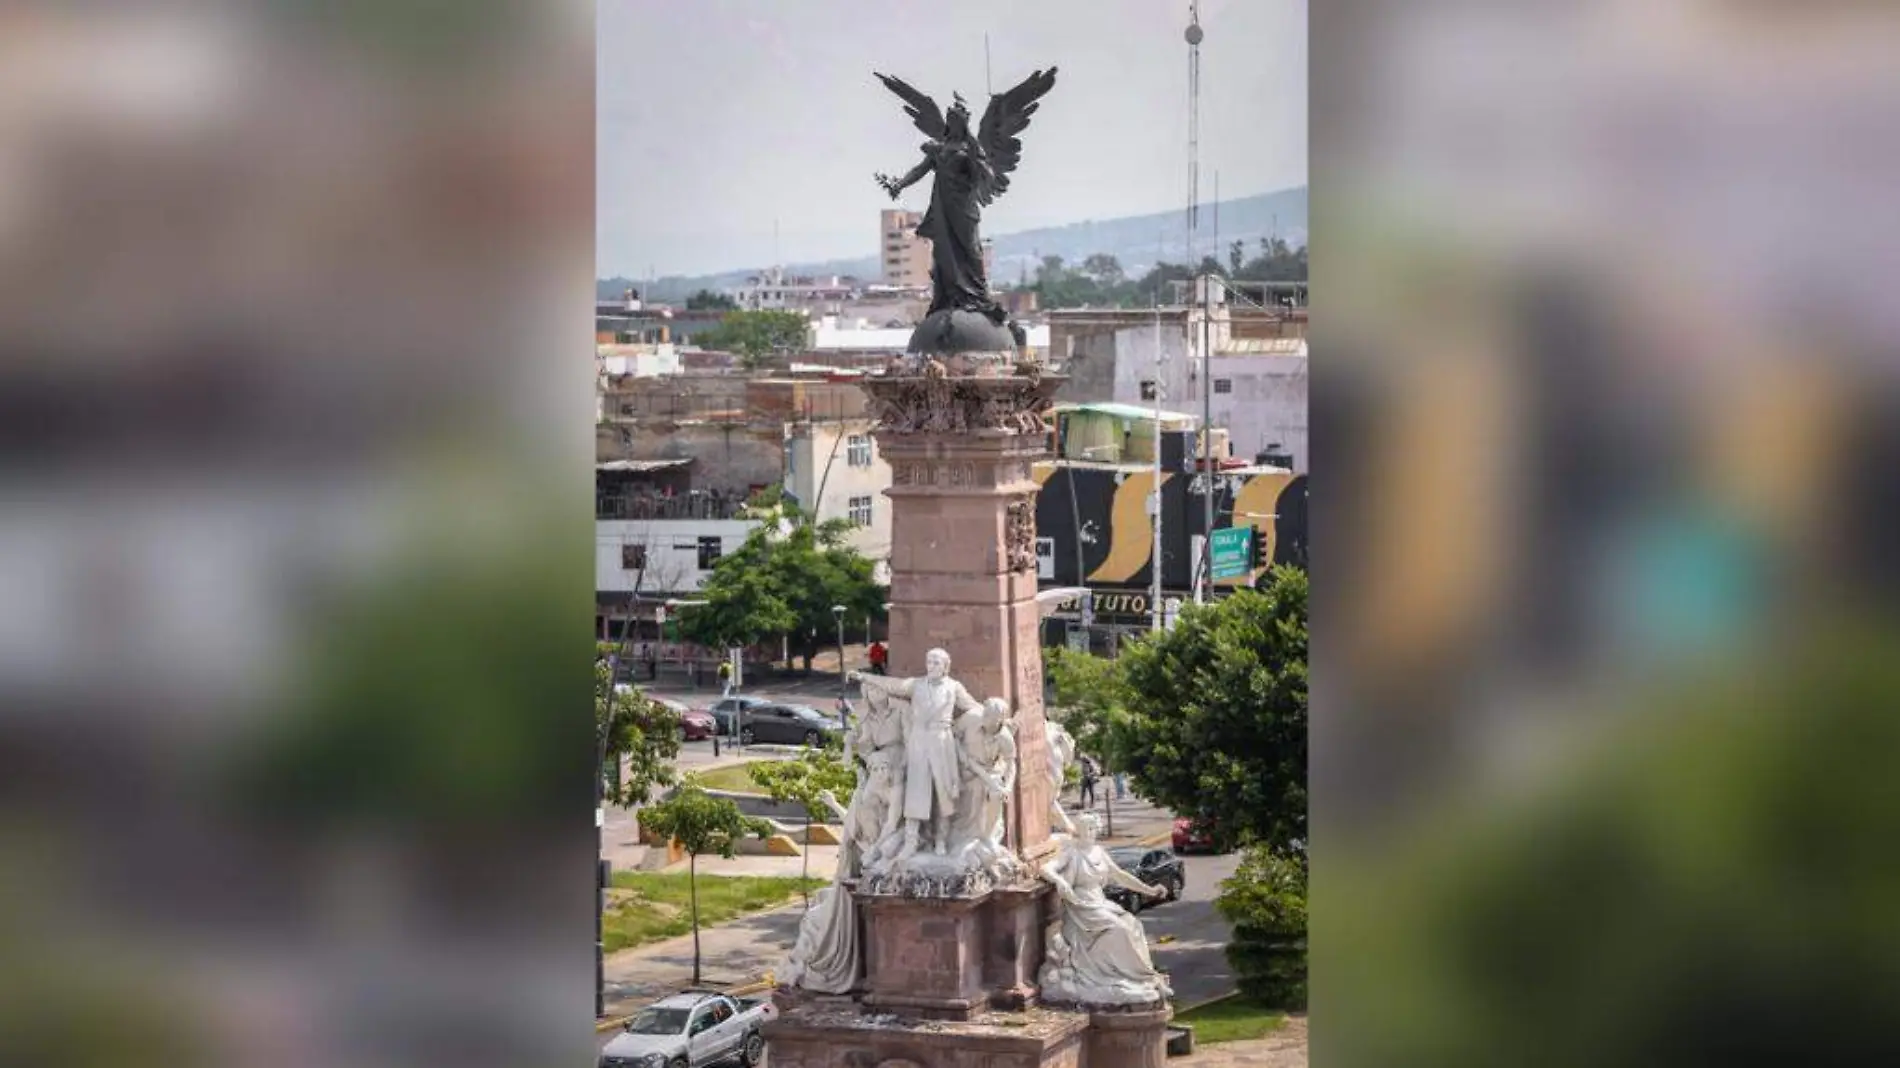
(1263, 346)
(1117, 410)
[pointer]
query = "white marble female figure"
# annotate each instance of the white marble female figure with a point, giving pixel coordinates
(986, 749)
(825, 957)
(930, 748)
(1102, 955)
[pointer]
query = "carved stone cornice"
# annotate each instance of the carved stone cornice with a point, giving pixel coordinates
(934, 400)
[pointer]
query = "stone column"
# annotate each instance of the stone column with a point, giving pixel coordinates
(963, 541)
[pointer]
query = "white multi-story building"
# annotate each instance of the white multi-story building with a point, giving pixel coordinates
(1258, 369)
(659, 557)
(835, 471)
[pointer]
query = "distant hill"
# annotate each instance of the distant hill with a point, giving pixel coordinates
(1131, 239)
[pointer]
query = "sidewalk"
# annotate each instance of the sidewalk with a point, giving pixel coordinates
(730, 954)
(1285, 1048)
(1135, 820)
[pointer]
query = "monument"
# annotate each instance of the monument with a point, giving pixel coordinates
(967, 926)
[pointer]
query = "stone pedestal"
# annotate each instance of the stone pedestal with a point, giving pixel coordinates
(1014, 920)
(923, 956)
(953, 958)
(963, 547)
(1128, 1039)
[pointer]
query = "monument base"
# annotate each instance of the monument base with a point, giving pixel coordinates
(816, 1037)
(1128, 1039)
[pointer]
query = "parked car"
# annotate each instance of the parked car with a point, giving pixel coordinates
(1156, 867)
(693, 1029)
(696, 725)
(788, 725)
(725, 711)
(1194, 836)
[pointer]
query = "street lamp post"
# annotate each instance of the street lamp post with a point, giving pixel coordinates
(837, 613)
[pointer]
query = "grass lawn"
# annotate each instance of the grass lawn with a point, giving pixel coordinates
(734, 778)
(1230, 1020)
(647, 907)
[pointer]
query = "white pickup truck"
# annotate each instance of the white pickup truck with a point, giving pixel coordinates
(695, 1029)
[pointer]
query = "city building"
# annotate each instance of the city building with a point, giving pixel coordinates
(1094, 531)
(648, 325)
(833, 468)
(774, 290)
(808, 434)
(656, 537)
(640, 361)
(905, 256)
(1258, 368)
(833, 334)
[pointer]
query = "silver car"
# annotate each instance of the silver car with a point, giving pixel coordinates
(695, 1029)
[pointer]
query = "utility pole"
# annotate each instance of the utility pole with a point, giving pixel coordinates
(1207, 438)
(1154, 498)
(601, 874)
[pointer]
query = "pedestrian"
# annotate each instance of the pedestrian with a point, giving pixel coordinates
(1089, 775)
(878, 655)
(725, 678)
(653, 665)
(1121, 786)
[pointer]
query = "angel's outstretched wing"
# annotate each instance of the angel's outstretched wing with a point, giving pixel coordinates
(922, 110)
(1007, 116)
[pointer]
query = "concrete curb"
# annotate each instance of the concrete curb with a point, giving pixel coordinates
(1157, 839)
(1230, 995)
(763, 983)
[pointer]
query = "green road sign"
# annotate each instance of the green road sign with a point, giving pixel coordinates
(1231, 552)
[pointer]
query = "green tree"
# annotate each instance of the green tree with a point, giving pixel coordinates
(1236, 256)
(1217, 714)
(1265, 901)
(709, 300)
(1276, 263)
(782, 583)
(628, 726)
(1090, 699)
(701, 824)
(817, 771)
(757, 336)
(1103, 269)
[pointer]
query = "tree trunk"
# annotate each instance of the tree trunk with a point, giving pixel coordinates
(692, 889)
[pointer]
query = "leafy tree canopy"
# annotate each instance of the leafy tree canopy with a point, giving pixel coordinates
(1216, 723)
(804, 779)
(1100, 281)
(757, 336)
(783, 582)
(1090, 700)
(701, 823)
(709, 300)
(628, 726)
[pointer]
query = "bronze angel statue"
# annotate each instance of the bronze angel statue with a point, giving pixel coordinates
(972, 170)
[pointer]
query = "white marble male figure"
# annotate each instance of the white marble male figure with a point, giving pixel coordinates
(930, 748)
(986, 747)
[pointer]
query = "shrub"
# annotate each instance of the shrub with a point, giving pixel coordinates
(1265, 900)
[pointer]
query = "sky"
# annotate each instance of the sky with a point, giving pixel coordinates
(719, 119)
